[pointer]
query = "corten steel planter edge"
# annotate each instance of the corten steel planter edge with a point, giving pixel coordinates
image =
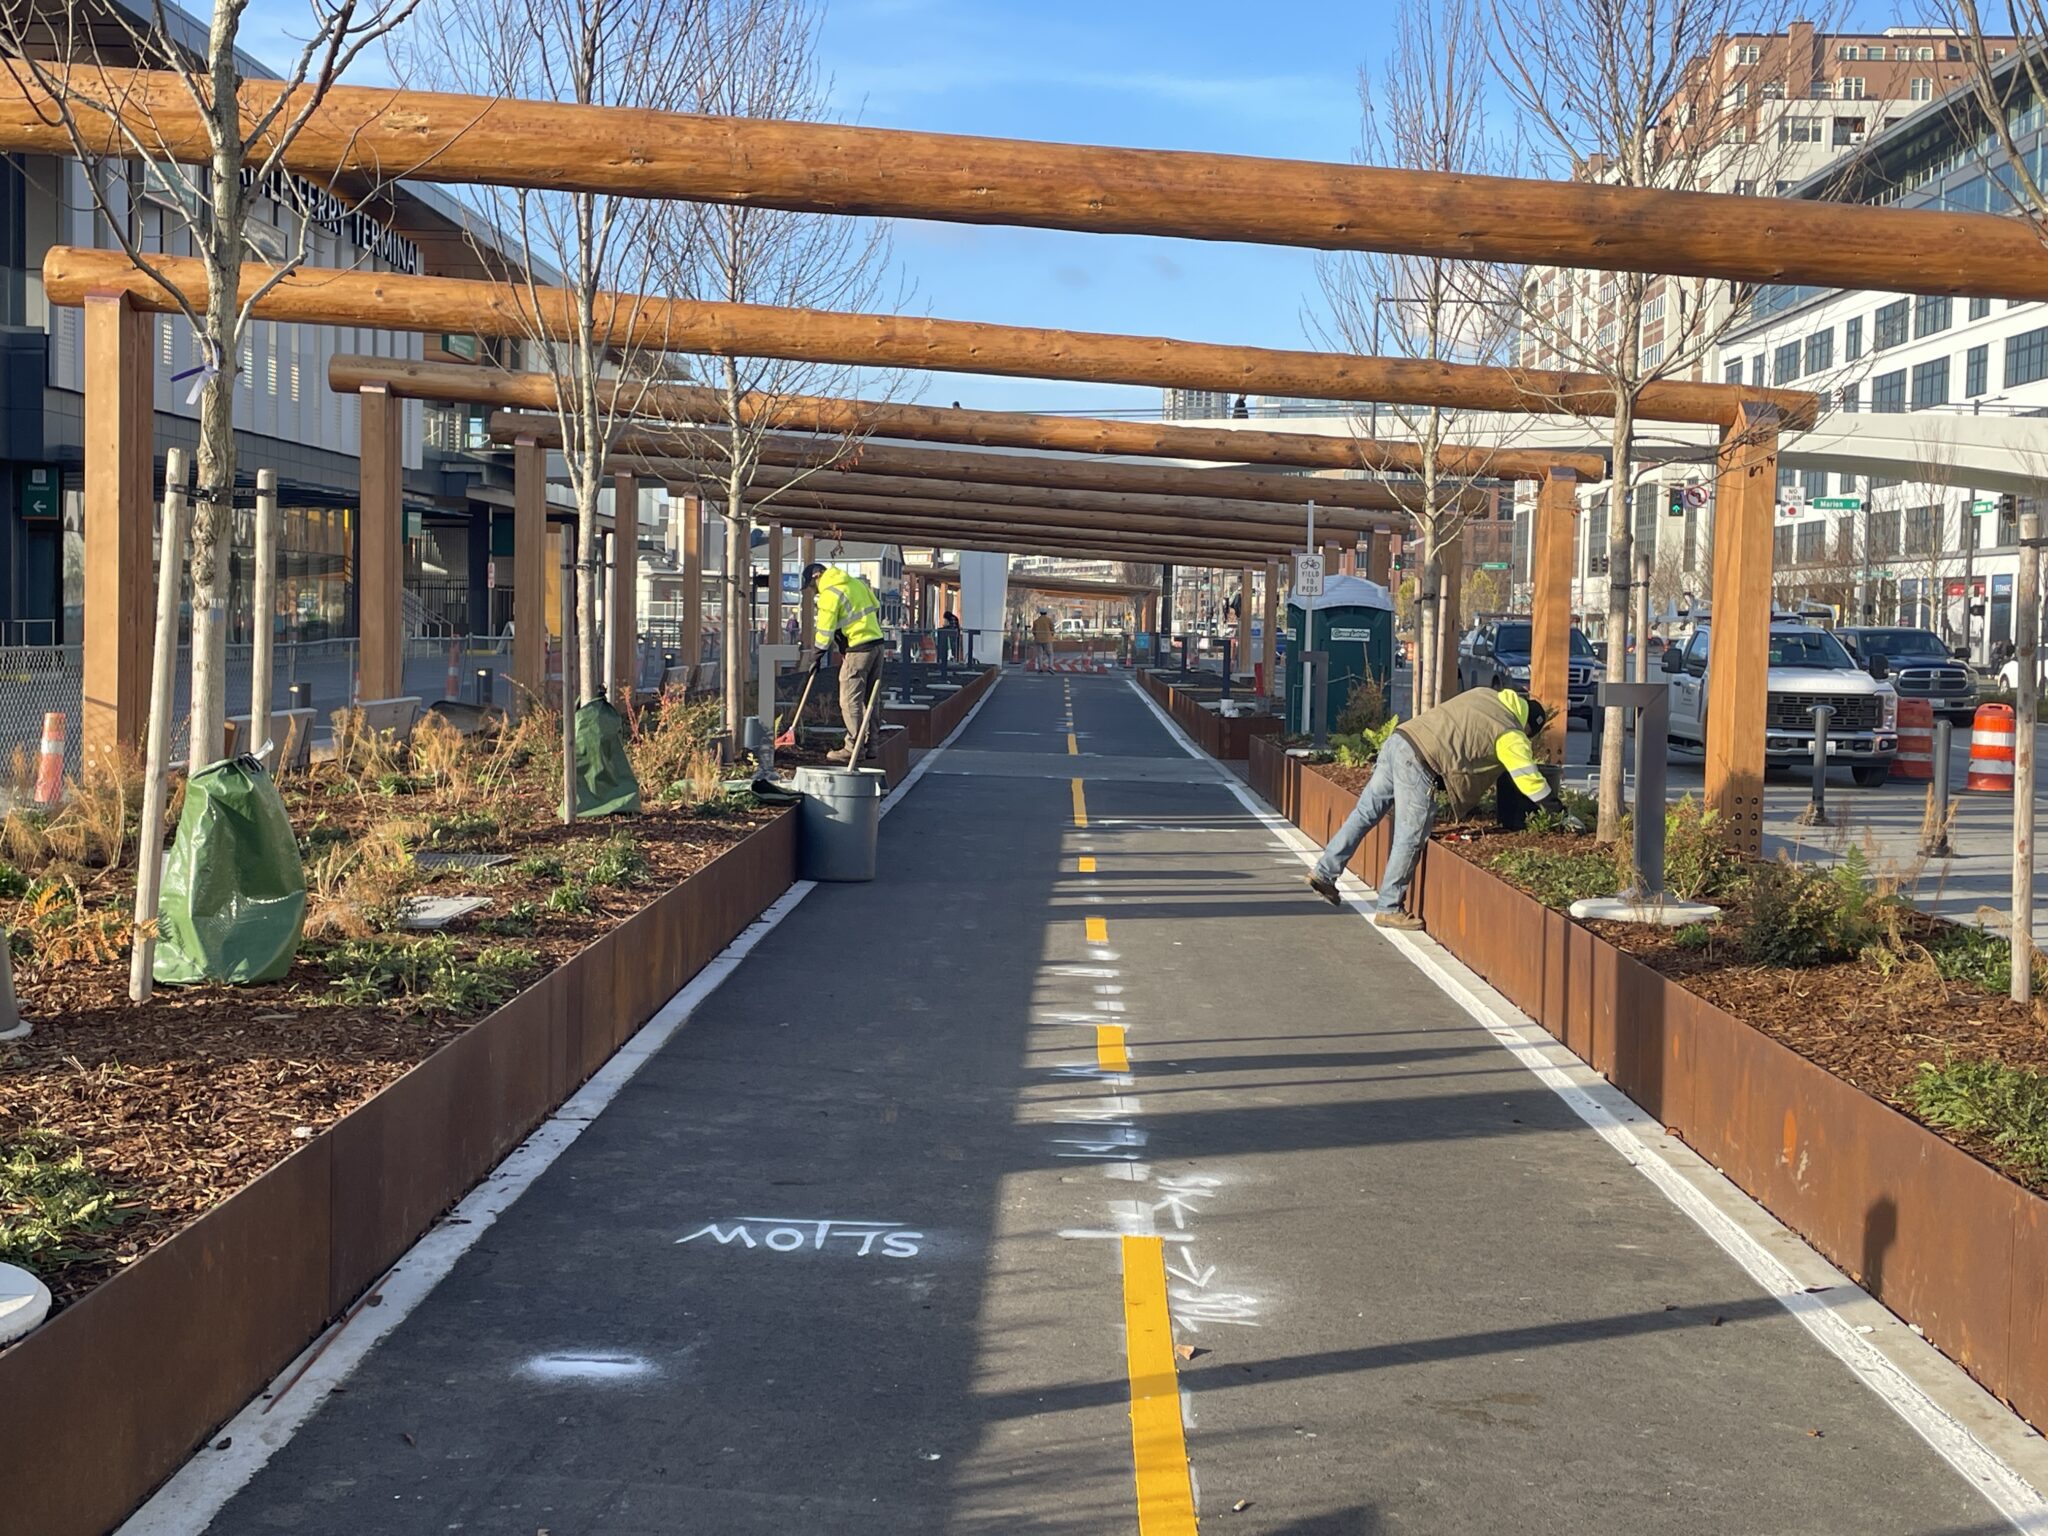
(216, 1311)
(1948, 1243)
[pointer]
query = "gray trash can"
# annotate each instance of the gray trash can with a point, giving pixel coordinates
(842, 816)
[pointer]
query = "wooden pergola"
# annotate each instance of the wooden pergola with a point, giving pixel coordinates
(834, 169)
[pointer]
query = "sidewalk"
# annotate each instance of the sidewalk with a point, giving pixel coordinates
(886, 1238)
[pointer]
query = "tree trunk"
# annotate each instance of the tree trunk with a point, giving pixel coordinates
(1427, 614)
(1620, 563)
(590, 486)
(739, 592)
(213, 533)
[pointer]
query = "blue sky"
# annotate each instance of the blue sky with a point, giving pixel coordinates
(1204, 74)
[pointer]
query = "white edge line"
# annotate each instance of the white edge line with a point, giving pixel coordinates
(201, 1488)
(1713, 1203)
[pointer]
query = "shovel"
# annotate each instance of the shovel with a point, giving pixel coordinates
(867, 719)
(788, 737)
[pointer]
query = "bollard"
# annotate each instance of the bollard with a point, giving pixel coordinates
(1816, 812)
(1936, 842)
(486, 687)
(50, 770)
(301, 695)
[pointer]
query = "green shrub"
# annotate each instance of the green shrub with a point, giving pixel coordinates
(49, 1198)
(1365, 708)
(569, 896)
(1361, 748)
(540, 866)
(1799, 915)
(2009, 1105)
(430, 973)
(1694, 936)
(1558, 879)
(1698, 863)
(1975, 955)
(13, 883)
(447, 829)
(618, 862)
(518, 921)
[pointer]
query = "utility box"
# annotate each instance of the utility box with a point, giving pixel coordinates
(1354, 626)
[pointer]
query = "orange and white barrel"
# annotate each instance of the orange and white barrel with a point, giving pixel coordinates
(1916, 741)
(454, 683)
(1991, 749)
(50, 766)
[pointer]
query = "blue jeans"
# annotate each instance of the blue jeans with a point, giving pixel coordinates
(1399, 784)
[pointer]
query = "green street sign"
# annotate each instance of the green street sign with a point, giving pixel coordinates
(1837, 503)
(39, 499)
(1983, 508)
(1493, 565)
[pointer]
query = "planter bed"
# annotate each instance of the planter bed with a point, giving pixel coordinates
(269, 1150)
(1791, 1107)
(928, 725)
(1226, 738)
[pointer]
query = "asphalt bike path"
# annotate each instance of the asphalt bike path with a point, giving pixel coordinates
(1084, 1173)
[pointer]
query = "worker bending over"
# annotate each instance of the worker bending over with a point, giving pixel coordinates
(1461, 747)
(849, 617)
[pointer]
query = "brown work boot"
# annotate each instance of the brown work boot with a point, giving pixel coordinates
(1327, 889)
(1405, 922)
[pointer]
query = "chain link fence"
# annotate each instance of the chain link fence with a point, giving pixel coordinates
(36, 680)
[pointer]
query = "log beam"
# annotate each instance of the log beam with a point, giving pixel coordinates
(691, 510)
(775, 583)
(782, 450)
(468, 384)
(436, 305)
(1269, 639)
(1149, 548)
(120, 474)
(891, 173)
(1745, 509)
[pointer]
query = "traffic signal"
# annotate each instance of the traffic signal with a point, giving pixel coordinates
(1677, 500)
(2008, 505)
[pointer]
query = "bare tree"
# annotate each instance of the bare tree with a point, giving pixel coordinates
(621, 53)
(757, 58)
(1638, 93)
(67, 52)
(1427, 111)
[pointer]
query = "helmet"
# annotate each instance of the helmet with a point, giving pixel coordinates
(813, 571)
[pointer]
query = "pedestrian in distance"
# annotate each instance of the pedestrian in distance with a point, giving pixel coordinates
(1041, 638)
(849, 619)
(949, 637)
(1461, 747)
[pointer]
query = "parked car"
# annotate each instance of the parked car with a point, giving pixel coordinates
(1918, 666)
(1497, 656)
(1808, 667)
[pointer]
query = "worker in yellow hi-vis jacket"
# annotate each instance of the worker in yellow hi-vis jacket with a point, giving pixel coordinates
(1462, 746)
(849, 616)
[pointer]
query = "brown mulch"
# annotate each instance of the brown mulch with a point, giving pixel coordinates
(184, 1100)
(1870, 1024)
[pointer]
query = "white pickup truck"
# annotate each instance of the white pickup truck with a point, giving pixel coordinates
(1808, 667)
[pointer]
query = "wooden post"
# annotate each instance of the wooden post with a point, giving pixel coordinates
(1738, 680)
(529, 571)
(2027, 623)
(775, 583)
(263, 626)
(570, 679)
(1269, 641)
(119, 475)
(691, 511)
(622, 602)
(1379, 560)
(1451, 578)
(380, 583)
(1550, 575)
(806, 552)
(1242, 660)
(149, 864)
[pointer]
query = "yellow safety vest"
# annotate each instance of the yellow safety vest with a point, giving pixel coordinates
(847, 605)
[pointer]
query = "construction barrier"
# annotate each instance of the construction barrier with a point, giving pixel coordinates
(1916, 741)
(50, 770)
(1991, 747)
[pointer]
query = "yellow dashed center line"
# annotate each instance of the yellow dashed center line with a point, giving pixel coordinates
(1110, 1052)
(1080, 805)
(1159, 1450)
(1087, 864)
(1098, 930)
(1073, 747)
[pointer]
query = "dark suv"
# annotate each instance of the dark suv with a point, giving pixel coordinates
(1918, 666)
(1499, 658)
